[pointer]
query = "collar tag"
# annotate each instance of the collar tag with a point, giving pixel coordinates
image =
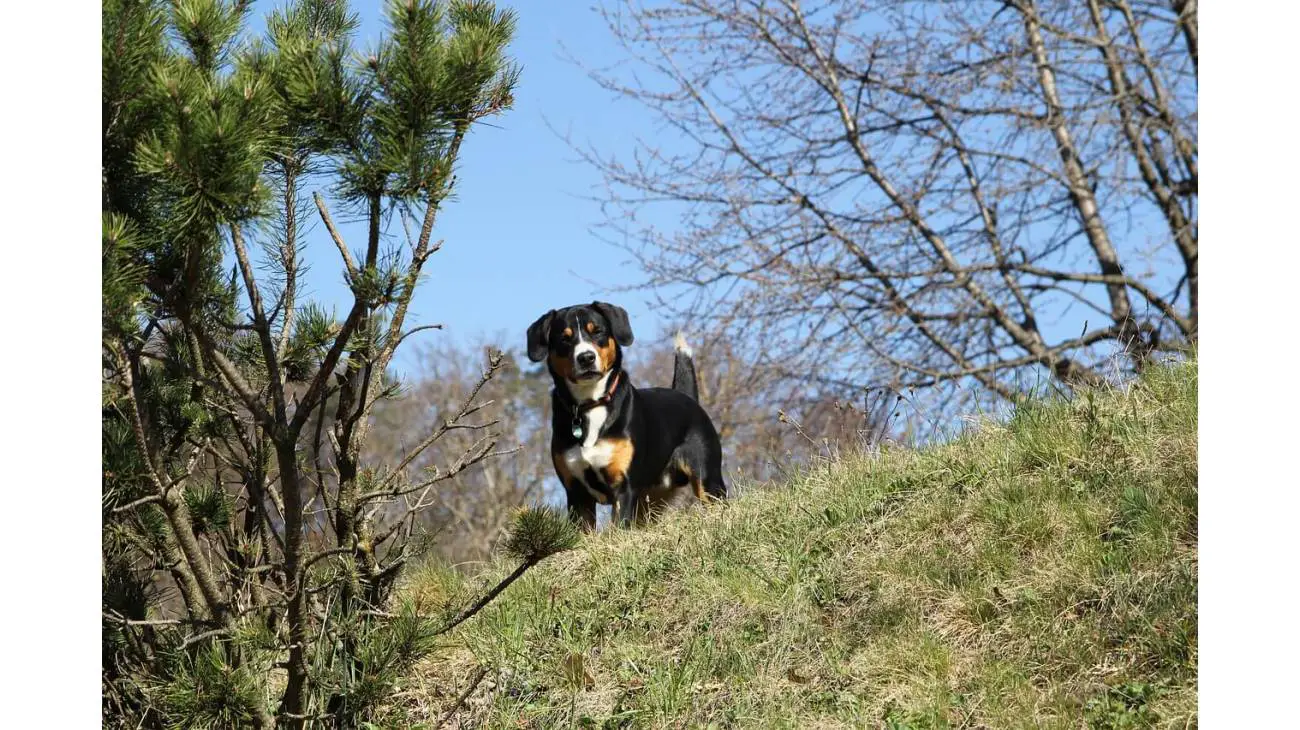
(577, 426)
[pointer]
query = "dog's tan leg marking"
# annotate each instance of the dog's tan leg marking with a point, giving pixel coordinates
(698, 486)
(563, 366)
(561, 469)
(614, 472)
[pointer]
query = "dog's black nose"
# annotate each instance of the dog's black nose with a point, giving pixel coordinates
(586, 359)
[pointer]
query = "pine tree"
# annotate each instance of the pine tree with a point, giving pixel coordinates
(243, 534)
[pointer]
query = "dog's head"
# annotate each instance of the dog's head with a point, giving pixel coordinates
(580, 343)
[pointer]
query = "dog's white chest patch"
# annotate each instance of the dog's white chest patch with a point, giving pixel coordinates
(592, 453)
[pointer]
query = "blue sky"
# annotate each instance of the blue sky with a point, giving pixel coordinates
(517, 233)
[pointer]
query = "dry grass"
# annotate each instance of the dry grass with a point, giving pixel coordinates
(1039, 573)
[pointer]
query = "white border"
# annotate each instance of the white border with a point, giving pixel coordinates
(1250, 509)
(51, 477)
(1250, 495)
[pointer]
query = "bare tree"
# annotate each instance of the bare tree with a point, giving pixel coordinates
(771, 424)
(918, 194)
(466, 511)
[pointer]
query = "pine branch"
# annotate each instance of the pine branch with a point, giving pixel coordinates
(230, 372)
(311, 398)
(487, 598)
(537, 535)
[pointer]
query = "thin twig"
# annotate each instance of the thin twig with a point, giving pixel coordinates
(334, 235)
(137, 503)
(473, 685)
(414, 330)
(191, 640)
(495, 362)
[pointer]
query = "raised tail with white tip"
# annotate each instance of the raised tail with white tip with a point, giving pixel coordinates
(684, 369)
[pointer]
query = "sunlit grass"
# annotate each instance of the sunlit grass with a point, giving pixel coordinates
(1038, 573)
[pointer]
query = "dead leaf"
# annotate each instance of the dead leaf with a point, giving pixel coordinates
(575, 670)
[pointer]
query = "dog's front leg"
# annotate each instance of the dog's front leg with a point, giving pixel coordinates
(582, 506)
(626, 505)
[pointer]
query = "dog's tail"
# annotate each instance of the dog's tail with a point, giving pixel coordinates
(684, 368)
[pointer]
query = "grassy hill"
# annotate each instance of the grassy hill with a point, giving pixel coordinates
(1038, 573)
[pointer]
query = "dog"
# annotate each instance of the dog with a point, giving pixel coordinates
(639, 450)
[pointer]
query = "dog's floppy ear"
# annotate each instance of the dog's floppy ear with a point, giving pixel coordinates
(539, 336)
(618, 324)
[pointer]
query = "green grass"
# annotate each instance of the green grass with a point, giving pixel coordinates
(1040, 573)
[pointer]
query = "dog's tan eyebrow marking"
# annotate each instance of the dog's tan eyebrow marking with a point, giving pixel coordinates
(607, 353)
(591, 327)
(568, 331)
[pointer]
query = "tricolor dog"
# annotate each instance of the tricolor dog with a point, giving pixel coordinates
(640, 450)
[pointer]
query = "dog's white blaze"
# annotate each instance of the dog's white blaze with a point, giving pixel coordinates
(595, 421)
(585, 345)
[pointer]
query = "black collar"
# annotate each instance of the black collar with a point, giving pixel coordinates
(577, 409)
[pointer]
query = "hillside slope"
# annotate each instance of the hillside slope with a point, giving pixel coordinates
(1039, 573)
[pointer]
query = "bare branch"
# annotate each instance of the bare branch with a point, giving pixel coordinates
(260, 324)
(469, 690)
(351, 265)
(906, 189)
(467, 407)
(151, 499)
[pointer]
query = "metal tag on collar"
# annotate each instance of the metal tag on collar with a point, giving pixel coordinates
(577, 426)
